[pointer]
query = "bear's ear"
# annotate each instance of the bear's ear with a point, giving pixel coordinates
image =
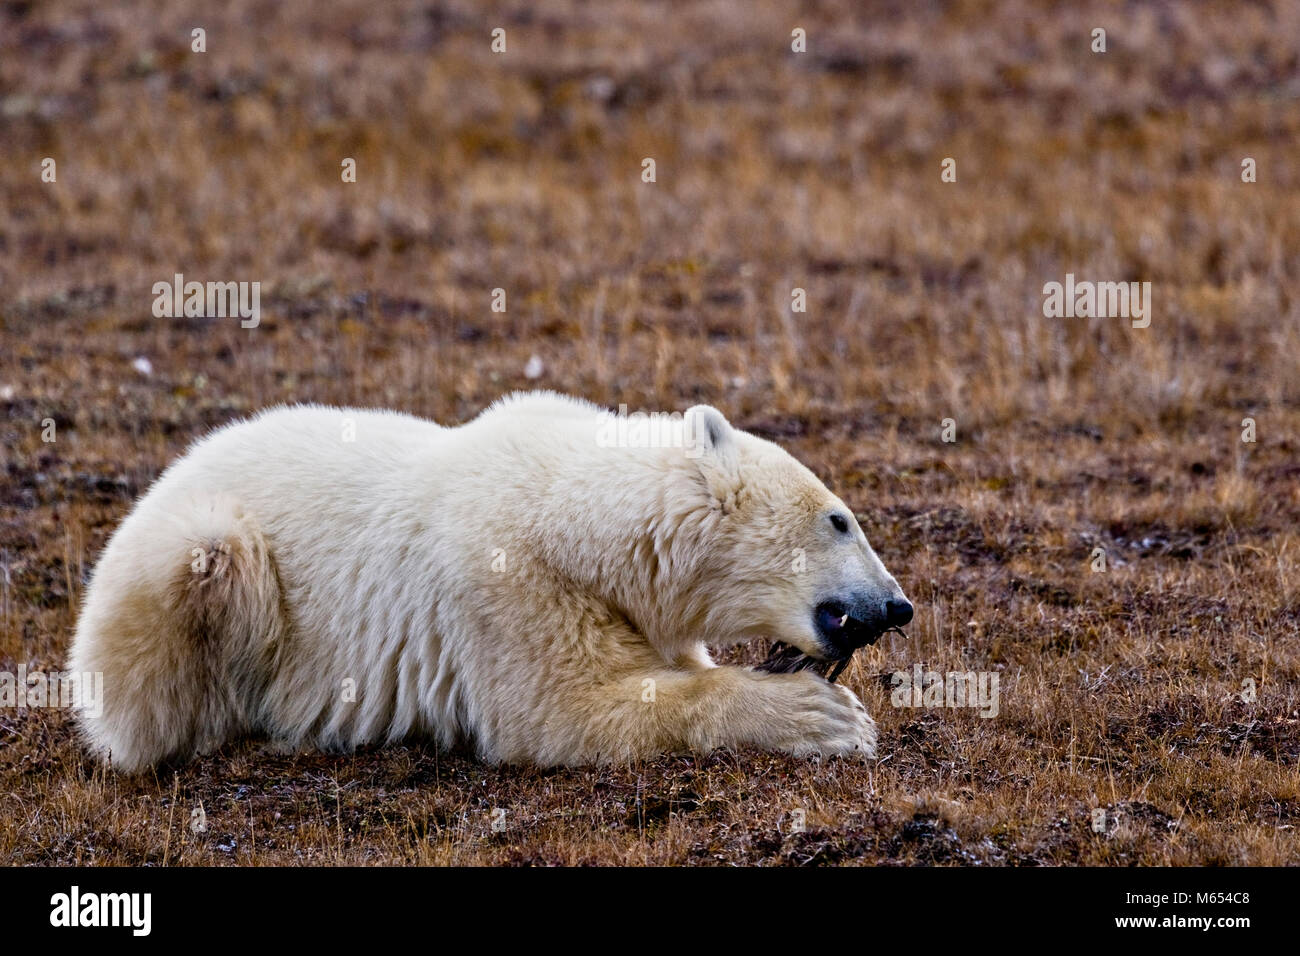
(707, 430)
(711, 443)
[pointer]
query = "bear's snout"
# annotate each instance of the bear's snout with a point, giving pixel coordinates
(898, 612)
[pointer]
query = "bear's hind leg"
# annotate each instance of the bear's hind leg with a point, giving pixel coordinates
(181, 616)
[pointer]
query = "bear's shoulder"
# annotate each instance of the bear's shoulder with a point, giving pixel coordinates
(541, 404)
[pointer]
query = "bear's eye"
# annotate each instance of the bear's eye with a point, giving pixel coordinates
(841, 523)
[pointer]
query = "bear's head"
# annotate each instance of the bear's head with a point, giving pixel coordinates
(782, 557)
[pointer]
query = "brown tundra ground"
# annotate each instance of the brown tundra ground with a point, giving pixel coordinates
(1127, 691)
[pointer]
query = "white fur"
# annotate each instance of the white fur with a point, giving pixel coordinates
(276, 562)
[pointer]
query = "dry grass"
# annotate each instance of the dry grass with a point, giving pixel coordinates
(1119, 690)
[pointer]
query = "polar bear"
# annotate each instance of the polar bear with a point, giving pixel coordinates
(542, 583)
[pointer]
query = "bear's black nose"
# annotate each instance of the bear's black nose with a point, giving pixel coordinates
(897, 612)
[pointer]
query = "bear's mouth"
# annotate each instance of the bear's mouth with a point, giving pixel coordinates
(840, 632)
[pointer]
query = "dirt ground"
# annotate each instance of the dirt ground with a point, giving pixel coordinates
(1161, 691)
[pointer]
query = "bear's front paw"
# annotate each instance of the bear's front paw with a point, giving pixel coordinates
(829, 719)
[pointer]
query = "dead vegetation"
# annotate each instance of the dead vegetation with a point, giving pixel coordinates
(1121, 691)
